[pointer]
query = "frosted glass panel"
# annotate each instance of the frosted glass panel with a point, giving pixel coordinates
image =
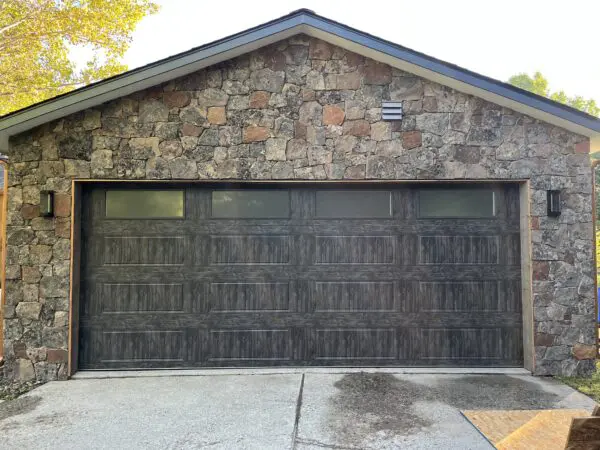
(251, 204)
(354, 204)
(138, 204)
(457, 203)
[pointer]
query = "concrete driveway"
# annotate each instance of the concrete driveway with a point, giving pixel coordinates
(304, 410)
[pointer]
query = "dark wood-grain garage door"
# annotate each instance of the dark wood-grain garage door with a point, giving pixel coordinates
(255, 275)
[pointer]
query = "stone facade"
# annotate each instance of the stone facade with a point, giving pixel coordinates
(300, 109)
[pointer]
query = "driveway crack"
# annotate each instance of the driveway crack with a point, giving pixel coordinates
(298, 411)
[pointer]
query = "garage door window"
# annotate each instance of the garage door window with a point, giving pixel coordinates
(144, 204)
(449, 203)
(353, 204)
(251, 204)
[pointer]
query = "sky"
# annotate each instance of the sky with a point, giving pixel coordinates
(497, 39)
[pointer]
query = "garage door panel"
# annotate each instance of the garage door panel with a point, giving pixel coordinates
(132, 250)
(355, 250)
(354, 344)
(250, 345)
(463, 344)
(459, 250)
(380, 286)
(118, 298)
(463, 296)
(353, 296)
(250, 249)
(226, 297)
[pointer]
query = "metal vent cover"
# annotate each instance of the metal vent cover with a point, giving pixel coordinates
(391, 110)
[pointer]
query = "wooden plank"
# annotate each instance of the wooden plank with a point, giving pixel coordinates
(74, 282)
(3, 215)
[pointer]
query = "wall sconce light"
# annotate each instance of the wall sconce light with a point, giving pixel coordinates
(553, 203)
(46, 203)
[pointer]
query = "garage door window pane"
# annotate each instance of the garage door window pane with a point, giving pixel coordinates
(457, 203)
(354, 204)
(144, 204)
(250, 204)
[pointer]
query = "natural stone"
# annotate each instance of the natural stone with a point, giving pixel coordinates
(143, 148)
(212, 97)
(29, 310)
(170, 149)
(189, 129)
(381, 131)
(275, 149)
(333, 115)
(56, 355)
(76, 145)
(411, 139)
(167, 130)
(176, 99)
(311, 113)
(30, 211)
(297, 149)
(259, 99)
(255, 134)
(192, 115)
(377, 73)
(153, 111)
(319, 50)
(91, 119)
(319, 155)
(77, 169)
(182, 168)
(406, 88)
(581, 351)
(25, 370)
(267, 80)
(357, 128)
(62, 205)
(348, 81)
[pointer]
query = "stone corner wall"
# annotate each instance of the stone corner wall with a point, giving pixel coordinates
(300, 109)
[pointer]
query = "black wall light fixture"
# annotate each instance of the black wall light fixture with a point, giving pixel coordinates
(46, 203)
(553, 203)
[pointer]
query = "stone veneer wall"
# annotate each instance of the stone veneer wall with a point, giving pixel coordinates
(300, 109)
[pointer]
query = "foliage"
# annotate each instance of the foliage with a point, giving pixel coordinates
(589, 386)
(538, 84)
(37, 36)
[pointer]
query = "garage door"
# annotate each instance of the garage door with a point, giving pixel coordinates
(307, 274)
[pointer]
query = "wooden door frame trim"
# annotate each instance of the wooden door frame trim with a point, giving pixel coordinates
(76, 211)
(4, 165)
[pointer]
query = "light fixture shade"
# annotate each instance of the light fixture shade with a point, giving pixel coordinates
(553, 203)
(46, 203)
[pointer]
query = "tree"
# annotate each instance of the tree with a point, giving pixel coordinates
(538, 84)
(36, 37)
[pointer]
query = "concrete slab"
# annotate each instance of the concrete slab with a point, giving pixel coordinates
(386, 411)
(252, 412)
(365, 410)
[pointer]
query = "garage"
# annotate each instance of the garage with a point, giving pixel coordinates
(250, 274)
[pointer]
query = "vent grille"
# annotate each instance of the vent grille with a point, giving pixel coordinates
(391, 110)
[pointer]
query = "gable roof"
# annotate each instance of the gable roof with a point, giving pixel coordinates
(306, 22)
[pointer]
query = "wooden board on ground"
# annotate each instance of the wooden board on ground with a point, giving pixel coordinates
(525, 429)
